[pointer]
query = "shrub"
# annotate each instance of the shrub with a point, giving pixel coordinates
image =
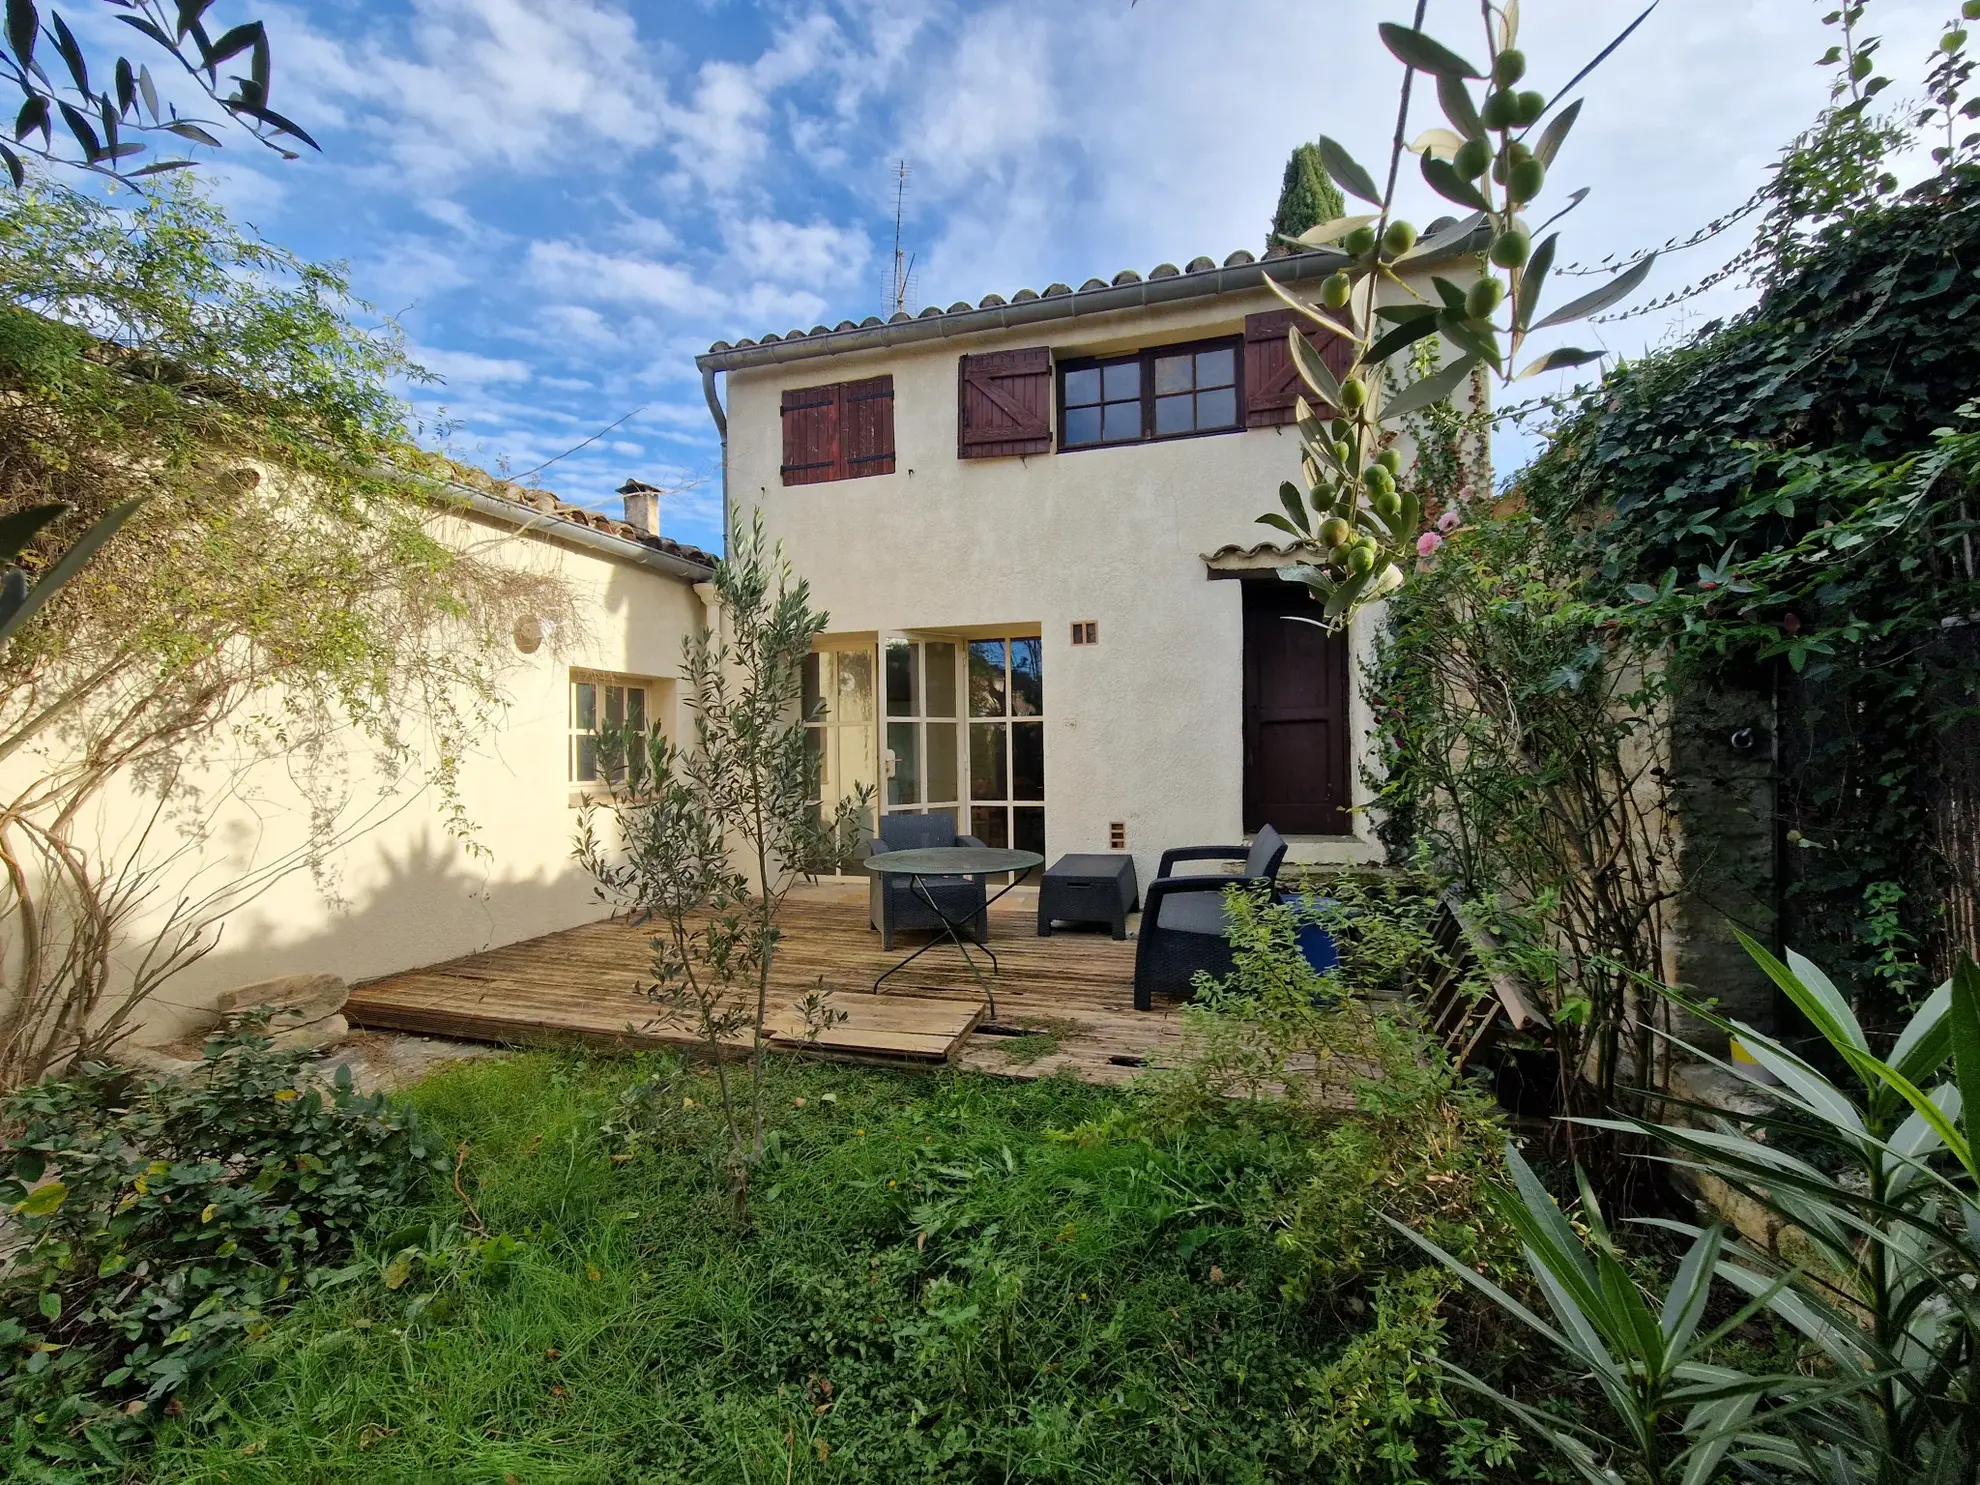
(165, 1221)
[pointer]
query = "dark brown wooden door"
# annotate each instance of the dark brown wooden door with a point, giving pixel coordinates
(1295, 714)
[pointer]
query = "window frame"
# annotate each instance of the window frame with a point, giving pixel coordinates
(650, 689)
(1145, 359)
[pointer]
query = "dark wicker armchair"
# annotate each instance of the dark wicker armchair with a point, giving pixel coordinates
(894, 904)
(1182, 918)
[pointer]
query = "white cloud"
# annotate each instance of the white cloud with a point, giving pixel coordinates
(471, 85)
(469, 368)
(583, 273)
(819, 254)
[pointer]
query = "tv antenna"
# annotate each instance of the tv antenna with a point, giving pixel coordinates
(901, 290)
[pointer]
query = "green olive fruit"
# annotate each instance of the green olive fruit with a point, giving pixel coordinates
(1335, 289)
(1970, 10)
(1499, 111)
(1516, 151)
(1526, 179)
(1360, 559)
(1354, 394)
(1335, 532)
(1390, 460)
(1387, 503)
(1511, 248)
(1473, 159)
(1378, 478)
(1527, 108)
(1483, 297)
(1508, 67)
(1343, 451)
(1360, 242)
(1399, 239)
(1952, 41)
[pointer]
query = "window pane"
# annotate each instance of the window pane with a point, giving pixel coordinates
(900, 679)
(816, 667)
(855, 688)
(615, 706)
(1028, 677)
(1216, 368)
(988, 776)
(986, 678)
(1028, 830)
(1175, 414)
(1216, 409)
(586, 769)
(1122, 422)
(636, 708)
(905, 786)
(1083, 387)
(941, 740)
(584, 707)
(938, 680)
(1172, 374)
(990, 826)
(1082, 425)
(1027, 760)
(1122, 379)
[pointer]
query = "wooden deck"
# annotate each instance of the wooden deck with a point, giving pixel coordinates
(1065, 1002)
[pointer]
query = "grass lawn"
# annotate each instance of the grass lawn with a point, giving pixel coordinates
(948, 1277)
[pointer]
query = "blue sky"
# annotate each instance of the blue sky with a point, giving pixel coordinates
(563, 201)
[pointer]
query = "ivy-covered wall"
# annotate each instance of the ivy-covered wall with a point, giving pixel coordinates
(1752, 443)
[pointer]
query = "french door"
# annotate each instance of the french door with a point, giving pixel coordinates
(920, 741)
(1007, 742)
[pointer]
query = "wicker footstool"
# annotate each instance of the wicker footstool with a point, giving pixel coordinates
(1088, 889)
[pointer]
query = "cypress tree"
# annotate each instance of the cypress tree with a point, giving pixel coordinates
(1307, 198)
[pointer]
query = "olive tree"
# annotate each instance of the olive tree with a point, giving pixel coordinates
(1353, 509)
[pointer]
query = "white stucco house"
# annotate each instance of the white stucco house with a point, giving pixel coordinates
(1032, 523)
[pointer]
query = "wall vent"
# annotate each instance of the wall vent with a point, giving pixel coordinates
(1117, 836)
(1086, 631)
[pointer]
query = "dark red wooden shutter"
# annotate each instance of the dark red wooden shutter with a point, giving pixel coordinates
(811, 435)
(1271, 381)
(1004, 404)
(867, 423)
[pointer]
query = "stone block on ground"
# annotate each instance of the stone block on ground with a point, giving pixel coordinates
(294, 999)
(312, 1036)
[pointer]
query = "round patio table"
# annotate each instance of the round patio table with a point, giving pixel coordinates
(955, 861)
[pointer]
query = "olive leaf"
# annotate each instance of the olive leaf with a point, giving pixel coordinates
(1455, 98)
(1443, 143)
(1413, 49)
(1534, 279)
(1334, 231)
(1430, 390)
(1449, 237)
(1619, 287)
(1559, 360)
(1348, 175)
(1549, 143)
(1422, 324)
(1314, 371)
(1294, 503)
(1443, 178)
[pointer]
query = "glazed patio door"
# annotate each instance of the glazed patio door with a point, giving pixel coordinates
(920, 739)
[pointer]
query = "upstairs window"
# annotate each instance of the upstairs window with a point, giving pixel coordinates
(842, 431)
(1174, 392)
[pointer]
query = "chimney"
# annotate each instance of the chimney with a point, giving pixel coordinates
(642, 506)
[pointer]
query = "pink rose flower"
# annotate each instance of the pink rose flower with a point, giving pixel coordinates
(1427, 543)
(1449, 521)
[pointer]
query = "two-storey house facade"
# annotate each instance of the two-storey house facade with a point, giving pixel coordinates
(1032, 524)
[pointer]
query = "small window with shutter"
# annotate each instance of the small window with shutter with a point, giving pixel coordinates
(844, 431)
(1272, 383)
(1004, 404)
